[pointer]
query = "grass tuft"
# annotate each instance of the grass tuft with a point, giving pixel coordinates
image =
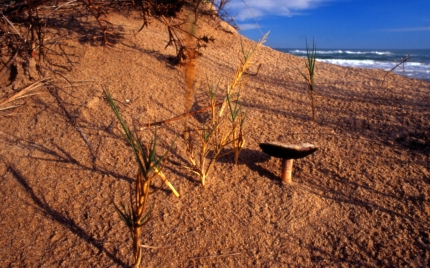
(150, 166)
(222, 128)
(310, 62)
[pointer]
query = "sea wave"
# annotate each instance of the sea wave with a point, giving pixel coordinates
(374, 63)
(369, 52)
(350, 52)
(411, 69)
(417, 66)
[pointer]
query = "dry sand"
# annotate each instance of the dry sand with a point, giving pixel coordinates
(363, 199)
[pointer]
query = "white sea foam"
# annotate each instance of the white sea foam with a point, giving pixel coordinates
(318, 52)
(411, 69)
(297, 51)
(368, 52)
(374, 63)
(359, 63)
(417, 66)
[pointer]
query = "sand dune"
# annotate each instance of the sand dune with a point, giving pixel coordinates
(363, 199)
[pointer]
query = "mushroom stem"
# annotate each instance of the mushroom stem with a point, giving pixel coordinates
(287, 169)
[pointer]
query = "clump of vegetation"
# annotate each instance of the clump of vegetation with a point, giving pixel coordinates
(310, 72)
(220, 128)
(150, 166)
(29, 29)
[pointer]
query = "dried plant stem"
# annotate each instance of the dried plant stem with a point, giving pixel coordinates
(163, 177)
(209, 142)
(238, 145)
(236, 148)
(397, 65)
(11, 24)
(216, 256)
(137, 249)
(313, 104)
(185, 115)
(221, 129)
(24, 93)
(142, 193)
(150, 166)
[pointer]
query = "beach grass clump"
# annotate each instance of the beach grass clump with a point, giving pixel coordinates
(224, 123)
(209, 139)
(309, 74)
(28, 29)
(136, 214)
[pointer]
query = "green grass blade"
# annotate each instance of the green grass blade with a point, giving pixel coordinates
(311, 60)
(146, 218)
(136, 147)
(125, 215)
(161, 159)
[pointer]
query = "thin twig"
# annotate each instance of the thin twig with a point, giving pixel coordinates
(67, 3)
(397, 65)
(11, 24)
(184, 115)
(216, 256)
(310, 133)
(152, 247)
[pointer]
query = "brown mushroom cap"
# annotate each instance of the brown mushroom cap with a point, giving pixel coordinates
(288, 151)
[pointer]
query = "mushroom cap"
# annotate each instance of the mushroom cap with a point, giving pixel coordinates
(288, 151)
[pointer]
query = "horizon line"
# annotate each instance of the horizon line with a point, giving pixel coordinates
(304, 48)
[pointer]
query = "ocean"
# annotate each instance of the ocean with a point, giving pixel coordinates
(417, 65)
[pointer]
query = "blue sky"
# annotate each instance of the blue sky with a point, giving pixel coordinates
(359, 24)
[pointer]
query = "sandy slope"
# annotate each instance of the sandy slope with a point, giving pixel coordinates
(363, 199)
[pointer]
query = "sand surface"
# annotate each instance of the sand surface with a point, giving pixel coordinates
(361, 200)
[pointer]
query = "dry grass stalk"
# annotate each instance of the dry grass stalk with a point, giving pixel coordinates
(221, 129)
(184, 115)
(216, 256)
(24, 93)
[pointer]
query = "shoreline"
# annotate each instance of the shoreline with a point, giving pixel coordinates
(416, 67)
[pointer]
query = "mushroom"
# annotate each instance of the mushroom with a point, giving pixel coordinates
(287, 153)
